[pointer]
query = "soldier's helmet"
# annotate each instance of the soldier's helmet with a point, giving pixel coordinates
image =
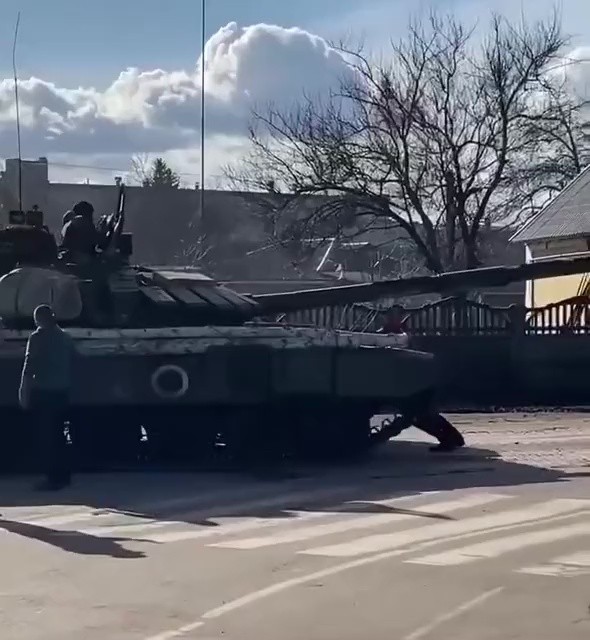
(83, 208)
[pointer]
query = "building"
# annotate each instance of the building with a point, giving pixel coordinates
(560, 229)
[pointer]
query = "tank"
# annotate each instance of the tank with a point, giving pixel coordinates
(174, 365)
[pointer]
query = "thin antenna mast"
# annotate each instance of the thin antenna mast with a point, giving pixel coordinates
(20, 179)
(203, 43)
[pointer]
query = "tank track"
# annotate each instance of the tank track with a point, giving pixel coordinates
(244, 438)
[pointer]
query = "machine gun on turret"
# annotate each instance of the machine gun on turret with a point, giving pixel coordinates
(110, 228)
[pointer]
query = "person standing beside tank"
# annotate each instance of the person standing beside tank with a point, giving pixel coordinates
(44, 390)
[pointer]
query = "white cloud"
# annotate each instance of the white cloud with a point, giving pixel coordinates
(158, 111)
(576, 70)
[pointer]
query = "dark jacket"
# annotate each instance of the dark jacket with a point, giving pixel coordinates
(79, 235)
(49, 359)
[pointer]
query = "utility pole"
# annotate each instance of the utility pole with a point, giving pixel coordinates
(203, 43)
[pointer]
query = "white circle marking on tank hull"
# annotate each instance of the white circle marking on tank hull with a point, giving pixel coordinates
(163, 393)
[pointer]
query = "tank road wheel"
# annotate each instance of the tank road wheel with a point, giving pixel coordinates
(18, 444)
(253, 436)
(313, 433)
(181, 436)
(104, 439)
(333, 432)
(351, 430)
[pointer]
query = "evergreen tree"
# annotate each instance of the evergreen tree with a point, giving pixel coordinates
(161, 175)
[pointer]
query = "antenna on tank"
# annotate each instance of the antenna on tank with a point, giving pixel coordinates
(20, 179)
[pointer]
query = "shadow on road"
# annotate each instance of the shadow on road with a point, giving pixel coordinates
(400, 468)
(73, 541)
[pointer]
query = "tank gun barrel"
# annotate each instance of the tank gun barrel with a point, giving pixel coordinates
(450, 282)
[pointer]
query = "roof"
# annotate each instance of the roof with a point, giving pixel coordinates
(566, 216)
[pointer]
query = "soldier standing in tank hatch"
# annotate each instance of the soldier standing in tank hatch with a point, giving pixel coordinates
(79, 235)
(44, 391)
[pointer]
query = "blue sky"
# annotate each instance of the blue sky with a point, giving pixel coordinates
(81, 109)
(76, 41)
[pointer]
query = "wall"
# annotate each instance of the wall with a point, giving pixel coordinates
(510, 370)
(34, 180)
(540, 293)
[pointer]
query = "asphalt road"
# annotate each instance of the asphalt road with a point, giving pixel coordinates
(492, 542)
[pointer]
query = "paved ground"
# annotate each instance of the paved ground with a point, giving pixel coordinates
(489, 543)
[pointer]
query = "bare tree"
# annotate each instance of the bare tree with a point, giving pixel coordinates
(197, 253)
(558, 142)
(141, 166)
(426, 145)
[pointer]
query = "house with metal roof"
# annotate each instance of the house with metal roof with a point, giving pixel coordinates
(560, 229)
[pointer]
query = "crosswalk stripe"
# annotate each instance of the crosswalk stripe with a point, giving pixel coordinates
(80, 514)
(345, 525)
(50, 518)
(573, 565)
(233, 497)
(499, 546)
(225, 511)
(251, 524)
(448, 530)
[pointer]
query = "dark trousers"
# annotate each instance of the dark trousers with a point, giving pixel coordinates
(49, 408)
(420, 411)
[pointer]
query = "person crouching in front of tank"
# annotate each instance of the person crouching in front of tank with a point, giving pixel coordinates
(44, 390)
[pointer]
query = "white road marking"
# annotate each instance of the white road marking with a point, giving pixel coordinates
(499, 546)
(451, 615)
(63, 518)
(204, 498)
(365, 522)
(195, 532)
(104, 513)
(448, 530)
(177, 633)
(278, 587)
(250, 524)
(570, 566)
(555, 507)
(220, 511)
